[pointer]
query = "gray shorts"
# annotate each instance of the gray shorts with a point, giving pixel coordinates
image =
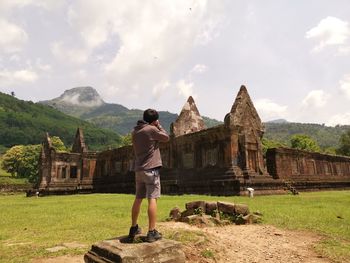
(147, 184)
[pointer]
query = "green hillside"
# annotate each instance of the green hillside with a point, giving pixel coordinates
(24, 122)
(324, 135)
(85, 103)
(120, 119)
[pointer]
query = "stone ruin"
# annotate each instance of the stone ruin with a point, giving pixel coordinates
(189, 120)
(222, 160)
(202, 213)
(116, 251)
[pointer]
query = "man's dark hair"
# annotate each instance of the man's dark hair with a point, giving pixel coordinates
(150, 115)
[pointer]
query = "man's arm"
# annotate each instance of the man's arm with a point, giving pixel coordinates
(160, 134)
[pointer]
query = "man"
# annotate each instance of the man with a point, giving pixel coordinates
(145, 139)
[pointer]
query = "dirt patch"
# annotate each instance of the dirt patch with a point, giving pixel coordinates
(244, 243)
(250, 243)
(62, 259)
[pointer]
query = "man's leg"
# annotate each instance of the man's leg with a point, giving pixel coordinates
(135, 211)
(152, 213)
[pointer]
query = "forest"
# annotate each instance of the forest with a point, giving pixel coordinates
(25, 122)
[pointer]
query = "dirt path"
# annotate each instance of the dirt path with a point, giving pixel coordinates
(245, 243)
(251, 243)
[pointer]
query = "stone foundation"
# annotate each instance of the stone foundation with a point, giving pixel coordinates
(115, 251)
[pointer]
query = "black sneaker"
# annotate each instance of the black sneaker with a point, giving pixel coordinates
(134, 230)
(153, 235)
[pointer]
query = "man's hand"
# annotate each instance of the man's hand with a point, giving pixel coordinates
(157, 124)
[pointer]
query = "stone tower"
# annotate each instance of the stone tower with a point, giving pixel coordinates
(79, 145)
(45, 162)
(246, 133)
(189, 120)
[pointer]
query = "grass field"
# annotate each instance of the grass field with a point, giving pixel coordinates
(29, 225)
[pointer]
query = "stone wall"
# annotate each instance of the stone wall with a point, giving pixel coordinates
(191, 164)
(309, 170)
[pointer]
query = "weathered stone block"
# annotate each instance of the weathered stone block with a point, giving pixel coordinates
(199, 220)
(241, 209)
(186, 213)
(175, 214)
(114, 251)
(252, 219)
(211, 207)
(225, 207)
(196, 205)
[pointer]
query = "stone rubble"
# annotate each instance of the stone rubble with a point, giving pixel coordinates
(202, 213)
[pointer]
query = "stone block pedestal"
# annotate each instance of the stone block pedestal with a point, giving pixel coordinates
(118, 251)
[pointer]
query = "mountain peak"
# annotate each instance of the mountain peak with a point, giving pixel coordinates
(81, 96)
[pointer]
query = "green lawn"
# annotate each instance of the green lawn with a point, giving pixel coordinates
(29, 225)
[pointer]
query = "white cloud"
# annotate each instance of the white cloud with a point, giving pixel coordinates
(329, 31)
(160, 88)
(316, 98)
(82, 74)
(339, 119)
(12, 37)
(8, 5)
(199, 68)
(41, 66)
(269, 110)
(185, 88)
(344, 85)
(11, 78)
(154, 37)
(207, 32)
(15, 58)
(64, 53)
(75, 100)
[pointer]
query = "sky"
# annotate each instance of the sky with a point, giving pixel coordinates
(293, 56)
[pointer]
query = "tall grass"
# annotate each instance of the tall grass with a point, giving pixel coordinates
(30, 225)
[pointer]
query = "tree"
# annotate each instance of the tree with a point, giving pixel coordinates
(304, 142)
(330, 150)
(22, 161)
(58, 144)
(344, 142)
(29, 164)
(126, 140)
(267, 144)
(10, 160)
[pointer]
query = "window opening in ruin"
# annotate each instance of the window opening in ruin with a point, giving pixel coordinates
(335, 171)
(105, 168)
(319, 167)
(295, 168)
(63, 172)
(310, 167)
(73, 172)
(86, 169)
(252, 158)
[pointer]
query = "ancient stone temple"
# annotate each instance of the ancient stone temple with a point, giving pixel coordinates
(63, 172)
(189, 120)
(222, 160)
